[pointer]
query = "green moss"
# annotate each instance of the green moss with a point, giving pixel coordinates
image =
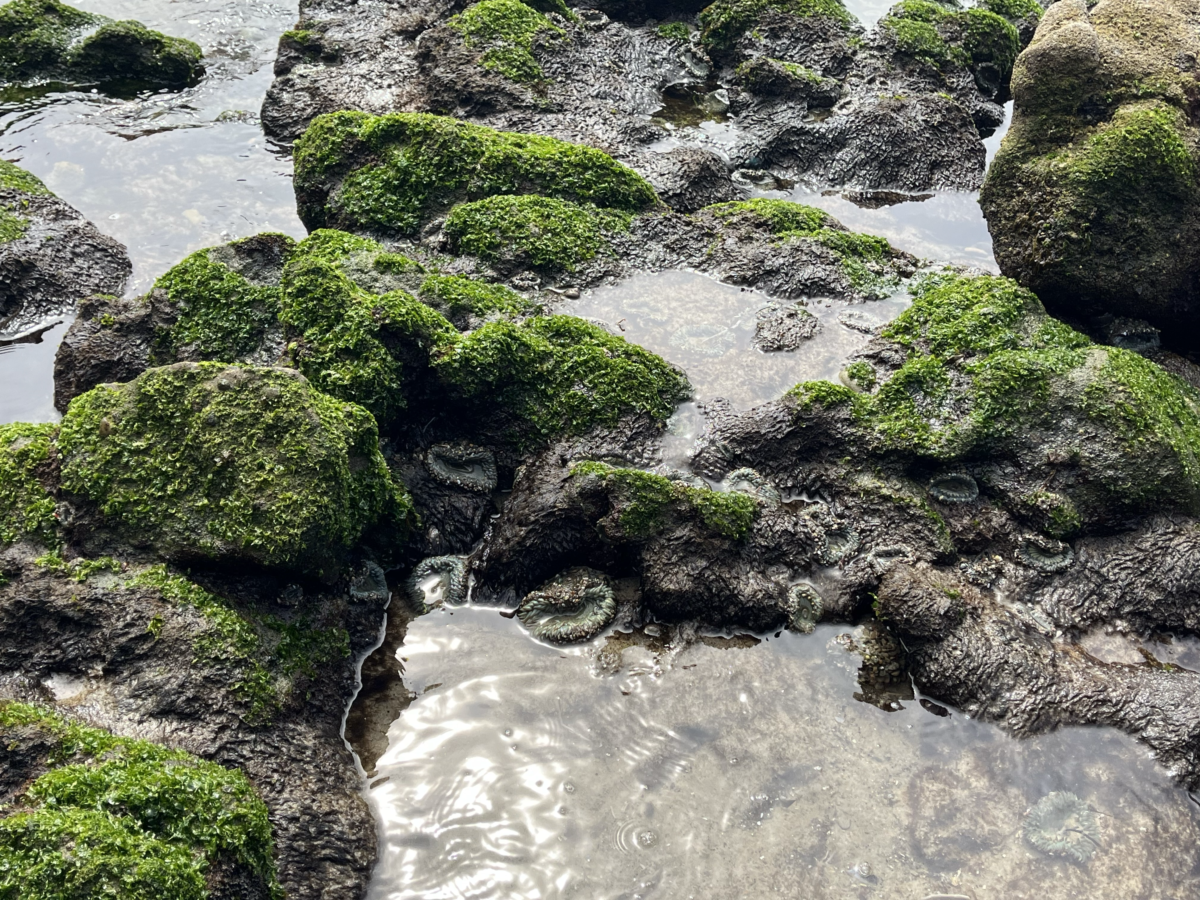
(780, 216)
(222, 316)
(399, 170)
(126, 819)
(11, 226)
(1014, 10)
(1140, 148)
(458, 296)
(674, 31)
(861, 374)
(946, 37)
(130, 50)
(26, 508)
(35, 34)
(647, 501)
(505, 30)
(557, 374)
(260, 653)
(14, 178)
(41, 38)
(725, 21)
(825, 394)
(79, 570)
(539, 231)
(352, 344)
(229, 462)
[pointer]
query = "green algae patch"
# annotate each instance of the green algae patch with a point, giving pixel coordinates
(204, 460)
(556, 374)
(862, 256)
(14, 178)
(222, 316)
(458, 297)
(674, 31)
(722, 23)
(393, 173)
(648, 504)
(48, 39)
(123, 818)
(260, 655)
(26, 507)
(541, 232)
(350, 343)
(504, 30)
(947, 38)
(987, 373)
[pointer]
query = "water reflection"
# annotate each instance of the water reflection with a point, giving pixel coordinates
(707, 328)
(666, 769)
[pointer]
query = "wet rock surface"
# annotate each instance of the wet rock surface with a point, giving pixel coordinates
(50, 257)
(794, 94)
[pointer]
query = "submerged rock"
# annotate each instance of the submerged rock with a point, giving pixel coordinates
(50, 257)
(1093, 200)
(48, 40)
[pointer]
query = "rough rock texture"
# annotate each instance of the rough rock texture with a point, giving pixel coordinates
(256, 682)
(50, 257)
(997, 482)
(48, 40)
(804, 92)
(1093, 200)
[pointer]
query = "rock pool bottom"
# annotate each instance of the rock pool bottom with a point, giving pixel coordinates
(647, 766)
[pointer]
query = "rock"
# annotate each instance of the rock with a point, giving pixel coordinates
(203, 461)
(48, 40)
(170, 807)
(779, 327)
(1092, 201)
(230, 673)
(805, 94)
(50, 257)
(690, 178)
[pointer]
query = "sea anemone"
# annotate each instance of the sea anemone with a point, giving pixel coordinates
(1061, 824)
(954, 487)
(435, 581)
(575, 605)
(804, 608)
(1045, 554)
(463, 465)
(370, 584)
(748, 481)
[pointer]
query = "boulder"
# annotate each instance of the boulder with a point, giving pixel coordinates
(1093, 201)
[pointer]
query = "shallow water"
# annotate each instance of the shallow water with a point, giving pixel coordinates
(641, 766)
(654, 310)
(164, 173)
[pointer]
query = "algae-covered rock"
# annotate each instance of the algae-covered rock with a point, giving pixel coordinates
(975, 370)
(209, 461)
(394, 173)
(1093, 201)
(26, 506)
(102, 815)
(50, 40)
(50, 257)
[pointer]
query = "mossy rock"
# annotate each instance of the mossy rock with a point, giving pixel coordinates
(987, 374)
(533, 231)
(123, 818)
(724, 21)
(552, 375)
(218, 462)
(26, 507)
(1093, 200)
(48, 39)
(864, 258)
(947, 38)
(504, 32)
(393, 174)
(20, 184)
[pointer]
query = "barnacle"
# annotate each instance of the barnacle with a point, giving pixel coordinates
(463, 465)
(1061, 824)
(573, 606)
(435, 581)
